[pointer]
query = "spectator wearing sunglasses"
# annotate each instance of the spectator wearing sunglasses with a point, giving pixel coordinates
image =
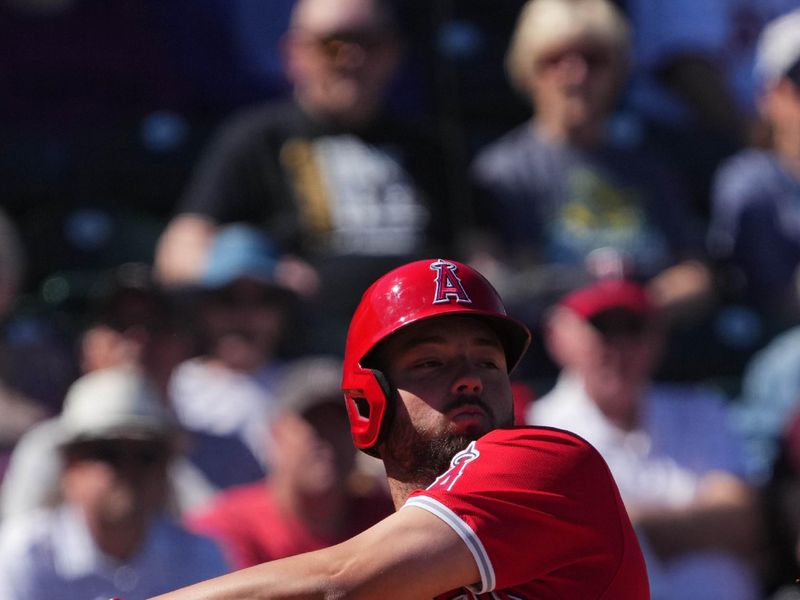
(671, 448)
(110, 535)
(344, 185)
(563, 192)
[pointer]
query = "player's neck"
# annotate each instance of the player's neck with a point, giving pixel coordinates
(409, 469)
(402, 482)
(401, 490)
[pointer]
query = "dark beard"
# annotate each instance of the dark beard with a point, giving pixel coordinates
(432, 457)
(421, 457)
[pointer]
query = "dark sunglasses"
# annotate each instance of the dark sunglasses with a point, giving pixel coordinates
(119, 454)
(333, 45)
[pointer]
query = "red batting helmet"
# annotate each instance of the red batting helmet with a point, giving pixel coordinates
(414, 292)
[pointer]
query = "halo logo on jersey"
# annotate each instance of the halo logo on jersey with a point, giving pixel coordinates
(448, 285)
(457, 465)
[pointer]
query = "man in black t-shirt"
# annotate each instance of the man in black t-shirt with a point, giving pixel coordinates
(344, 190)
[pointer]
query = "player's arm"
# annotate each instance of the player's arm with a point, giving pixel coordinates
(411, 554)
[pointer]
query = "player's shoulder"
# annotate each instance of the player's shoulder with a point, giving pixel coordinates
(535, 435)
(541, 445)
(528, 459)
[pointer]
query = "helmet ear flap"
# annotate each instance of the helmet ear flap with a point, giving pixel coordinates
(370, 406)
(389, 404)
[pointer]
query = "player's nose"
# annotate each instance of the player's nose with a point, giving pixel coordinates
(467, 380)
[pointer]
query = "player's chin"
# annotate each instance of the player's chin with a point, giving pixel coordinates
(470, 429)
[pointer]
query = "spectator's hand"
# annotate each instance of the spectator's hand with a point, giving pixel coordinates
(683, 290)
(298, 275)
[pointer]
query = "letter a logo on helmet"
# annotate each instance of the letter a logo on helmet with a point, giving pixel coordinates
(448, 284)
(407, 295)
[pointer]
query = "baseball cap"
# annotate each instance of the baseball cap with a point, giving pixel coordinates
(778, 49)
(114, 403)
(238, 252)
(611, 305)
(310, 382)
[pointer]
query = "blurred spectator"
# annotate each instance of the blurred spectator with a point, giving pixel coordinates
(692, 91)
(755, 226)
(225, 395)
(344, 187)
(111, 535)
(559, 196)
(670, 448)
(313, 496)
(129, 321)
(135, 321)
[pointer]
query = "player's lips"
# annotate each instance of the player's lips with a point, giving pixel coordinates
(467, 411)
(469, 415)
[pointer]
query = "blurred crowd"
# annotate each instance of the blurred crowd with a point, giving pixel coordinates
(196, 194)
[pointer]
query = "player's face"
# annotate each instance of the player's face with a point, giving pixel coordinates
(453, 386)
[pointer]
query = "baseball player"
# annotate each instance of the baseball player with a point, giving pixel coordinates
(485, 510)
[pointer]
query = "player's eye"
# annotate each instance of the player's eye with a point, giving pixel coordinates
(491, 360)
(430, 363)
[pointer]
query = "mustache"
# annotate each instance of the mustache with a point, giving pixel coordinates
(464, 400)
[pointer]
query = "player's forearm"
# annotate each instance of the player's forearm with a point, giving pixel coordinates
(286, 579)
(411, 554)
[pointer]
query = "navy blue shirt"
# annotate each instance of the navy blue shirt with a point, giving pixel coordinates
(559, 203)
(755, 225)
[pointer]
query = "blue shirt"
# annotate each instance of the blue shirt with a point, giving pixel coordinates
(559, 203)
(50, 554)
(755, 224)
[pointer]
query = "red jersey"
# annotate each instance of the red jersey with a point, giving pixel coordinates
(541, 513)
